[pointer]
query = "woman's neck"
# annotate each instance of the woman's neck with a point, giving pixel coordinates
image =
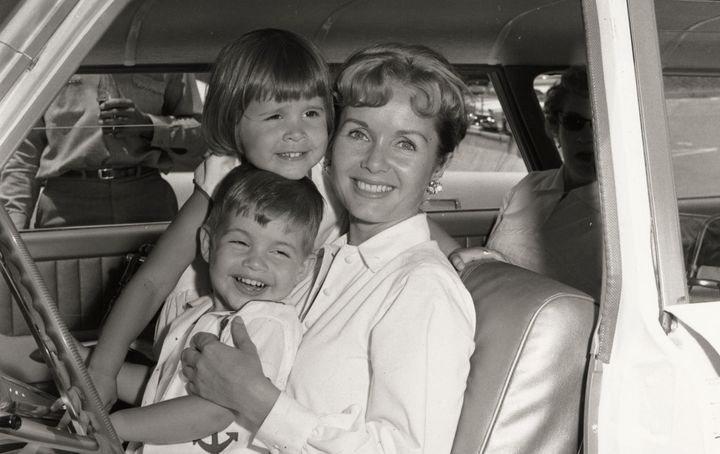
(361, 231)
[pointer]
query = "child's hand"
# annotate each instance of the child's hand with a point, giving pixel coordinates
(462, 256)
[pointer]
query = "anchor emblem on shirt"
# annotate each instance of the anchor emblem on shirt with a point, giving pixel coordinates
(214, 447)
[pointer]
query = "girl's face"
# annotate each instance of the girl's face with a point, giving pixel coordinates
(287, 138)
(382, 160)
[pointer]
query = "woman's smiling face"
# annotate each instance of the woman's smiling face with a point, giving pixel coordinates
(382, 160)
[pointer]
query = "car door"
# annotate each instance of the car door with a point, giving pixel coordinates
(654, 374)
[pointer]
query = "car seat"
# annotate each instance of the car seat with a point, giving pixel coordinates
(526, 384)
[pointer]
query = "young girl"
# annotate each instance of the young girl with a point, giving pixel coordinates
(269, 103)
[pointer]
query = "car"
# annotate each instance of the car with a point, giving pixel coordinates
(486, 122)
(649, 376)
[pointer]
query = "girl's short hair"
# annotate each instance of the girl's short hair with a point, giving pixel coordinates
(261, 65)
(367, 78)
(264, 195)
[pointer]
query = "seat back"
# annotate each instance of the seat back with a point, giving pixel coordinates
(526, 383)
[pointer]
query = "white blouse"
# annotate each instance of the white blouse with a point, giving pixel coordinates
(383, 363)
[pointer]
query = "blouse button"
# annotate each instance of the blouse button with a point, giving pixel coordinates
(326, 292)
(348, 259)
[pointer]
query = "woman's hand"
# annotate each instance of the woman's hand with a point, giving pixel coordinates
(231, 377)
(462, 256)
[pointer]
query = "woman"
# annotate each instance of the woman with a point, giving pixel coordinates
(388, 324)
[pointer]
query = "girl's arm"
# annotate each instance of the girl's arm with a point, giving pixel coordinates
(131, 382)
(178, 420)
(145, 293)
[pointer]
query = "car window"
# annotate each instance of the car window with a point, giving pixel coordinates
(488, 158)
(109, 149)
(693, 110)
(69, 144)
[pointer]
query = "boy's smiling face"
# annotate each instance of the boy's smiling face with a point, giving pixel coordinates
(249, 261)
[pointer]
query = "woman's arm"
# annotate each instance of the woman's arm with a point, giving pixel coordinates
(178, 420)
(145, 293)
(419, 355)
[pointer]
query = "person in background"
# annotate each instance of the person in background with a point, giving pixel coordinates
(258, 241)
(550, 221)
(99, 149)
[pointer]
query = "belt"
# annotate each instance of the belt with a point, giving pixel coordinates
(109, 173)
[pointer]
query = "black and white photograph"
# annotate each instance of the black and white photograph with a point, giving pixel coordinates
(360, 226)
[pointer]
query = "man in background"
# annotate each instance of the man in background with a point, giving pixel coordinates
(99, 148)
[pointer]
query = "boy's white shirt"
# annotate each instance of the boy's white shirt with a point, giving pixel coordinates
(274, 329)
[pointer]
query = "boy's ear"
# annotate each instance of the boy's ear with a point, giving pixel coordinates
(205, 245)
(307, 267)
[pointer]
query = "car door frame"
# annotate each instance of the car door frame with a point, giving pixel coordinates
(646, 390)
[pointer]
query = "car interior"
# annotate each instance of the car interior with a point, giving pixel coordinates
(526, 390)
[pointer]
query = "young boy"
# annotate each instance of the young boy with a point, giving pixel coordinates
(258, 242)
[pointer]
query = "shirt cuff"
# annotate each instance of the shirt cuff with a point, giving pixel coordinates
(163, 131)
(287, 427)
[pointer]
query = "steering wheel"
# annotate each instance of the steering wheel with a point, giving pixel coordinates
(86, 422)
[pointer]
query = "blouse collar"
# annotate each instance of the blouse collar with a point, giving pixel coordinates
(391, 242)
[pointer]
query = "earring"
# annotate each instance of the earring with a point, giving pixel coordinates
(434, 187)
(326, 164)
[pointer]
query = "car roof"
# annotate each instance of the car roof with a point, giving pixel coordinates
(466, 31)
(506, 32)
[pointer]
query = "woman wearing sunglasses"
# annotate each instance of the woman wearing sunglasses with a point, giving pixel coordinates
(550, 221)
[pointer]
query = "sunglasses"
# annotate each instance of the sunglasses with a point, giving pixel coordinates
(572, 121)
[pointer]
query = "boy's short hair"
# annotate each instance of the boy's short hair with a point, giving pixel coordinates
(249, 191)
(439, 92)
(261, 65)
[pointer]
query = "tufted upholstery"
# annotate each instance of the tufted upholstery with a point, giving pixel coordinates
(81, 268)
(80, 286)
(526, 383)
